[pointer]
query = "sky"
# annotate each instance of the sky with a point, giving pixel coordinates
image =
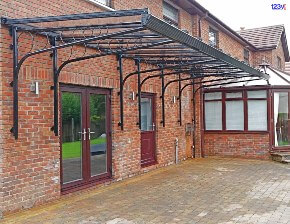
(249, 13)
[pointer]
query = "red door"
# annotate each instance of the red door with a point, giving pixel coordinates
(148, 143)
(85, 136)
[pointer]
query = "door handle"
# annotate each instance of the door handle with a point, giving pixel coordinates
(153, 127)
(84, 133)
(90, 132)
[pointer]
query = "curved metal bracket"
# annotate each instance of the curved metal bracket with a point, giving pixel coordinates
(168, 67)
(138, 72)
(17, 66)
(181, 90)
(164, 87)
(166, 74)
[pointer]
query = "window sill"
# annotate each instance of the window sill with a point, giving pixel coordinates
(107, 8)
(236, 132)
(280, 148)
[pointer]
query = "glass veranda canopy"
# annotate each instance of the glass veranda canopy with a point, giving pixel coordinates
(134, 34)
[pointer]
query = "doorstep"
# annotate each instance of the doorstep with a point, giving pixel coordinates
(282, 157)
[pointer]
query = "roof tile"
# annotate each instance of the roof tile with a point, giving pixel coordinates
(263, 37)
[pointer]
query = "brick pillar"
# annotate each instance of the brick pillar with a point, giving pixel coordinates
(198, 123)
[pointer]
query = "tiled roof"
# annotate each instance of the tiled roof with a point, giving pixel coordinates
(264, 37)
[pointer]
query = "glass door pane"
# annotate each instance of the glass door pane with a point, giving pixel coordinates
(146, 114)
(281, 119)
(97, 134)
(71, 136)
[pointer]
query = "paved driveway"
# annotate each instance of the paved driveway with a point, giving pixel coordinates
(196, 191)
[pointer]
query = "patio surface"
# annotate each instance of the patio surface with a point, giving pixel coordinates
(213, 190)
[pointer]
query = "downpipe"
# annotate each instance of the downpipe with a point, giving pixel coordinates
(176, 150)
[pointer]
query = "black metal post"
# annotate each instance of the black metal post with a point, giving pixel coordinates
(14, 84)
(121, 93)
(55, 87)
(179, 98)
(139, 92)
(162, 98)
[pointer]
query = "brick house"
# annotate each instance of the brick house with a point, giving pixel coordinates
(271, 45)
(72, 110)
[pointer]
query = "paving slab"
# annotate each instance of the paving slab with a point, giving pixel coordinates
(212, 190)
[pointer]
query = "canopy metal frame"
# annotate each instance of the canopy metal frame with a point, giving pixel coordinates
(140, 36)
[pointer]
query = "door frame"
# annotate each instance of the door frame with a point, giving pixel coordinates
(153, 97)
(106, 92)
(273, 127)
(86, 181)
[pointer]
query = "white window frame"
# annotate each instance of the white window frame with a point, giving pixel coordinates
(216, 35)
(247, 56)
(248, 95)
(172, 21)
(97, 3)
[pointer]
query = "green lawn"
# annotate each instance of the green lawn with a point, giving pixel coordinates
(281, 143)
(73, 149)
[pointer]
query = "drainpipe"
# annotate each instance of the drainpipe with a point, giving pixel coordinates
(194, 122)
(176, 150)
(199, 23)
(201, 124)
(199, 28)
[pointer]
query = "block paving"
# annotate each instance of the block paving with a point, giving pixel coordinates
(212, 190)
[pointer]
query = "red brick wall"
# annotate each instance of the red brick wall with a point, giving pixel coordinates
(186, 21)
(270, 57)
(195, 25)
(155, 6)
(30, 166)
(226, 43)
(261, 56)
(279, 52)
(237, 145)
(31, 8)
